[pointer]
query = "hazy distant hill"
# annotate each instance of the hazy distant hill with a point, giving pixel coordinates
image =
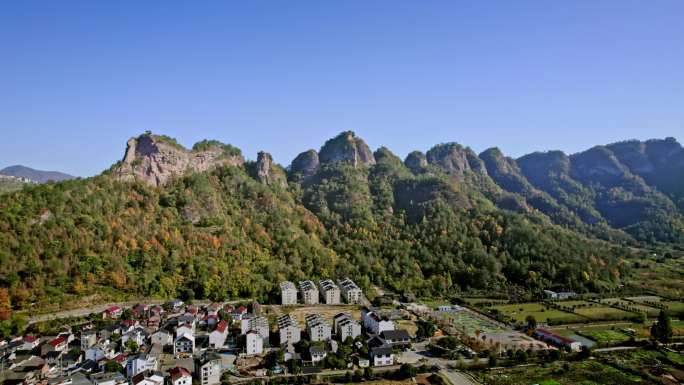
(37, 176)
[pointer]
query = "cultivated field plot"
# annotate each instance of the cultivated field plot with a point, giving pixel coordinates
(584, 373)
(604, 313)
(645, 298)
(469, 323)
(573, 303)
(606, 337)
(541, 313)
(479, 301)
(674, 307)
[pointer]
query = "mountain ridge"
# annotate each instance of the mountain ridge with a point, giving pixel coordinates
(171, 221)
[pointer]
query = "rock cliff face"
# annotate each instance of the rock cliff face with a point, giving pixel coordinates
(347, 148)
(455, 160)
(268, 172)
(157, 159)
(416, 161)
(305, 164)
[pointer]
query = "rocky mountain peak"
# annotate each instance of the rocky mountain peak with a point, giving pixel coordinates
(156, 159)
(305, 164)
(347, 148)
(416, 161)
(268, 172)
(455, 160)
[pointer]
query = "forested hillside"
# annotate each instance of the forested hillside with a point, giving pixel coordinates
(203, 223)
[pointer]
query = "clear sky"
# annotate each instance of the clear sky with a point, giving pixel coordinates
(77, 79)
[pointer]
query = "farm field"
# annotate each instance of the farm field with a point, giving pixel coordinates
(674, 307)
(586, 372)
(572, 303)
(541, 313)
(606, 337)
(478, 301)
(469, 323)
(603, 313)
(654, 366)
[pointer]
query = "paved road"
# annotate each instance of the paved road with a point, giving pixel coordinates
(616, 348)
(457, 378)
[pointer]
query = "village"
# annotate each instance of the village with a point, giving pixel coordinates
(316, 329)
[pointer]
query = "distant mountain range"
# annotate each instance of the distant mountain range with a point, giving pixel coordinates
(37, 176)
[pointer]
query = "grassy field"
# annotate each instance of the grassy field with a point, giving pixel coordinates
(603, 313)
(478, 301)
(674, 307)
(606, 337)
(541, 313)
(300, 312)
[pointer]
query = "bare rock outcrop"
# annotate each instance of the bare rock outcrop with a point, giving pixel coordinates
(347, 148)
(305, 164)
(156, 159)
(268, 172)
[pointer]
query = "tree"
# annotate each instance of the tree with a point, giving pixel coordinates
(407, 371)
(368, 373)
(531, 322)
(661, 330)
(5, 305)
(113, 366)
(131, 346)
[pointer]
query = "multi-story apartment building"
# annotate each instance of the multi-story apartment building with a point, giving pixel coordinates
(308, 292)
(289, 330)
(317, 328)
(288, 293)
(350, 291)
(330, 292)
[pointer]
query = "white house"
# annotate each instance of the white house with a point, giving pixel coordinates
(185, 328)
(148, 378)
(100, 352)
(288, 293)
(317, 328)
(289, 330)
(140, 363)
(137, 335)
(161, 337)
(317, 354)
(375, 323)
(184, 343)
(382, 356)
(254, 344)
(217, 338)
(180, 376)
(30, 343)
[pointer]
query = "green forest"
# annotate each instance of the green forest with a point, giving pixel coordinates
(224, 234)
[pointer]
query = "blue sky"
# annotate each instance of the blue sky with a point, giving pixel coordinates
(77, 79)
